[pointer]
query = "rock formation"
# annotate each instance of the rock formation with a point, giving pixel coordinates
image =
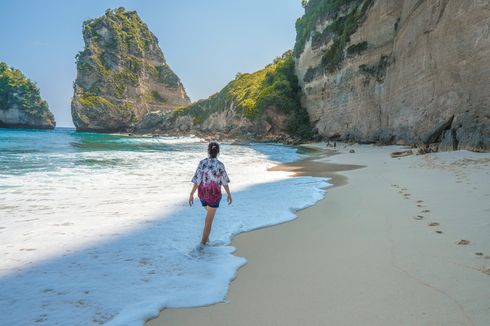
(397, 71)
(263, 105)
(121, 75)
(21, 105)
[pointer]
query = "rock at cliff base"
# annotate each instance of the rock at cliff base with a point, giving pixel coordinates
(434, 134)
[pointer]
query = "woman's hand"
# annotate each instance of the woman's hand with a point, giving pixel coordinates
(191, 195)
(228, 193)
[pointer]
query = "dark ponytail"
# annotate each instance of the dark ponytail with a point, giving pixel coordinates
(213, 149)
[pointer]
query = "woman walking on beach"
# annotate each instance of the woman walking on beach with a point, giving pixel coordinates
(209, 177)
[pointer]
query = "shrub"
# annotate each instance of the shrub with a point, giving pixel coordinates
(154, 96)
(356, 49)
(376, 70)
(167, 76)
(91, 101)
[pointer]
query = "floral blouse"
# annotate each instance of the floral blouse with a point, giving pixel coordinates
(210, 169)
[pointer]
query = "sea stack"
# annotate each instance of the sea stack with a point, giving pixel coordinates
(21, 105)
(122, 75)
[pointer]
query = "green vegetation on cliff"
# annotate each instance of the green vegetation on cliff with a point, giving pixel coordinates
(129, 33)
(120, 38)
(345, 16)
(167, 76)
(274, 87)
(91, 101)
(123, 32)
(16, 91)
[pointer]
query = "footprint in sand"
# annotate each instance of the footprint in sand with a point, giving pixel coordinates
(439, 231)
(479, 253)
(426, 211)
(485, 270)
(433, 224)
(419, 201)
(463, 242)
(419, 205)
(418, 217)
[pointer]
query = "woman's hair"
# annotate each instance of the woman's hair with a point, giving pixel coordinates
(213, 149)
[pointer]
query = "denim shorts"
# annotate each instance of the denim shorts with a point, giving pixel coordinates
(214, 205)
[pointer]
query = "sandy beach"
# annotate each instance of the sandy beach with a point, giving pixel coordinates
(400, 241)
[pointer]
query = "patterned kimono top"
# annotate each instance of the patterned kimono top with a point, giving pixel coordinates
(209, 170)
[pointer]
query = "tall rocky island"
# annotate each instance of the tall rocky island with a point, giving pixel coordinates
(397, 71)
(121, 75)
(21, 105)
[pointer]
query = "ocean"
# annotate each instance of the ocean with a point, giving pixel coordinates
(96, 228)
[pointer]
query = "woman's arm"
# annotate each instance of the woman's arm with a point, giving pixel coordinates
(191, 195)
(227, 189)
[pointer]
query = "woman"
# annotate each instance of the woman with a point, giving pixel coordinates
(209, 177)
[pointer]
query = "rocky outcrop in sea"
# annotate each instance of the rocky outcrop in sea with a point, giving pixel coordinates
(21, 105)
(122, 75)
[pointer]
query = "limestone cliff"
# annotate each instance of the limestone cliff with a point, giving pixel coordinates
(21, 105)
(263, 105)
(397, 71)
(121, 75)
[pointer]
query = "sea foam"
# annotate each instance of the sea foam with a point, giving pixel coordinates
(107, 236)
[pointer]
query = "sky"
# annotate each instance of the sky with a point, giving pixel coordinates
(205, 42)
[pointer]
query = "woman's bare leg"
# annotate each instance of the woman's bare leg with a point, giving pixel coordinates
(210, 212)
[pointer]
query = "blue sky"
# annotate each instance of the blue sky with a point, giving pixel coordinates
(206, 42)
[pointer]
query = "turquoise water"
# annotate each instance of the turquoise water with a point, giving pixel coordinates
(28, 150)
(96, 228)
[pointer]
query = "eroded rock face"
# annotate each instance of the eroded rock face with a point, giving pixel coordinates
(21, 105)
(122, 75)
(225, 122)
(261, 106)
(409, 67)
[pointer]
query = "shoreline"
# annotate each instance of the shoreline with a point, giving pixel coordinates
(315, 166)
(307, 166)
(361, 255)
